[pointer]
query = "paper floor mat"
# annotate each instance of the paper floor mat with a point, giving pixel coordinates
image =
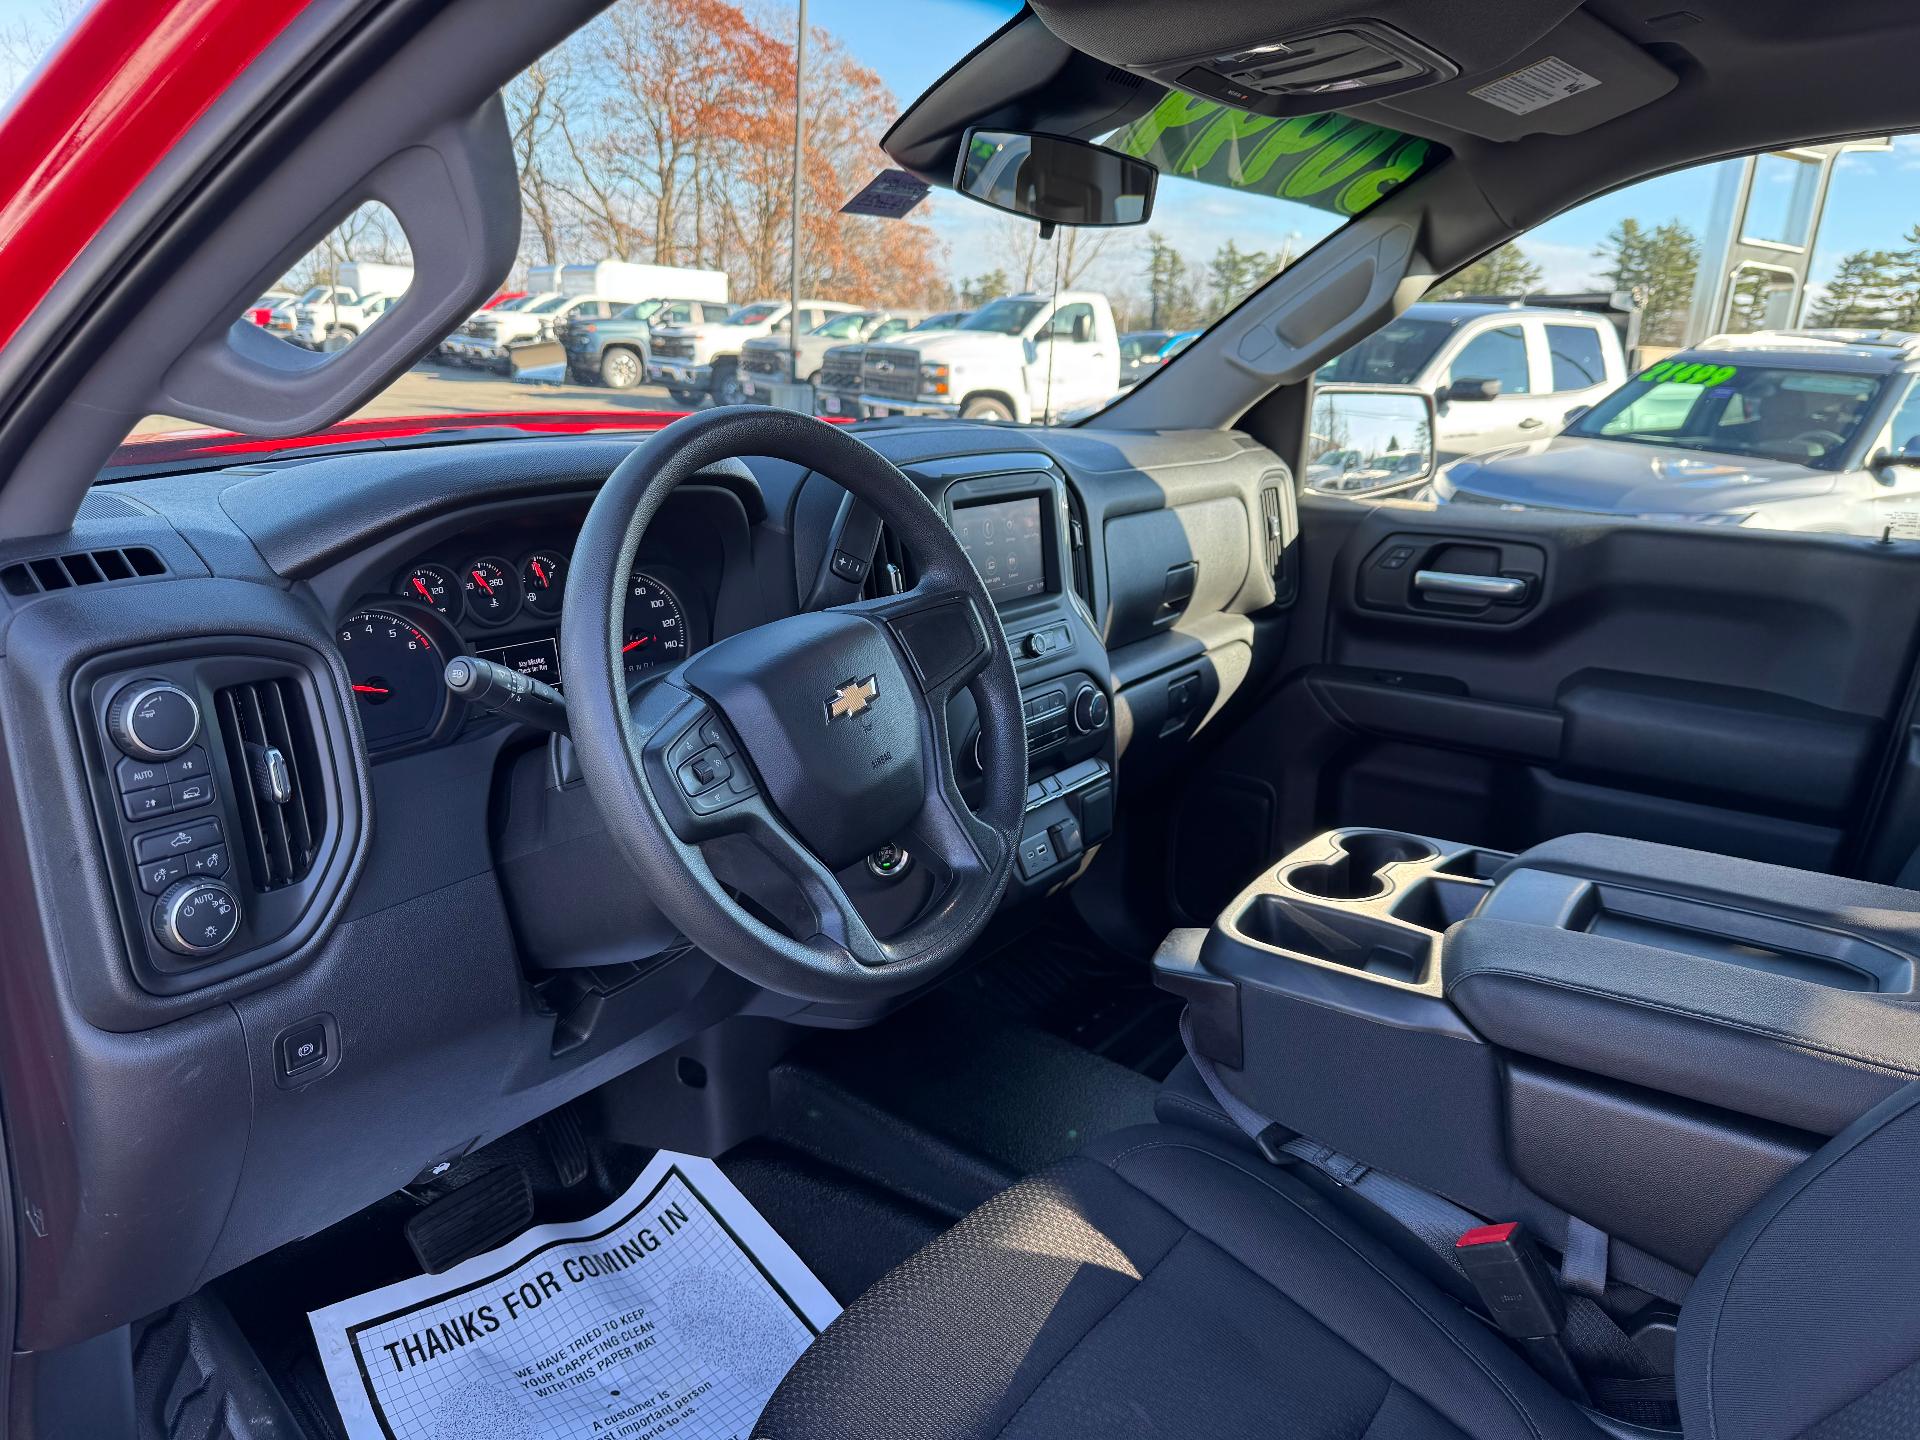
(675, 1309)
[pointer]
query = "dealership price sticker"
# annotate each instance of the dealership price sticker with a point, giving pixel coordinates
(674, 1311)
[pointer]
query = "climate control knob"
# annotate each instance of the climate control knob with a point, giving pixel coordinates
(153, 719)
(197, 917)
(1090, 709)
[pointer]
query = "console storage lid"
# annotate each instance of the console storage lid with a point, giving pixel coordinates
(1762, 991)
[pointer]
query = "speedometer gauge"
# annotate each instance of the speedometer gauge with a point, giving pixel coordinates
(396, 672)
(655, 634)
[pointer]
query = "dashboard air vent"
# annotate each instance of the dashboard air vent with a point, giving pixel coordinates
(276, 776)
(82, 567)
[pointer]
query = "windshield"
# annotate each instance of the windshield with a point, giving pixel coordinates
(640, 311)
(1004, 317)
(1393, 356)
(1727, 405)
(635, 183)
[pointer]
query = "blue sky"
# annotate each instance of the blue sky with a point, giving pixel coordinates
(911, 43)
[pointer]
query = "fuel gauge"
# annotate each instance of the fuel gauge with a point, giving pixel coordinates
(543, 581)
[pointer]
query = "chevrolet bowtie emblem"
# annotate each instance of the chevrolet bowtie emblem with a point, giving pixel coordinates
(853, 697)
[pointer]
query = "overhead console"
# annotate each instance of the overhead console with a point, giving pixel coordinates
(1641, 1036)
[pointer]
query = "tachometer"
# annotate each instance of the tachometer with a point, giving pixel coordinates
(543, 581)
(656, 625)
(396, 671)
(493, 598)
(435, 586)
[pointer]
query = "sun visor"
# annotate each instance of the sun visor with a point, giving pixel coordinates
(1580, 75)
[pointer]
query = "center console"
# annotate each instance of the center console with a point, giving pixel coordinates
(1641, 1036)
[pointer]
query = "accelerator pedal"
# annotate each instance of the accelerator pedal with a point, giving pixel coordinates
(478, 1216)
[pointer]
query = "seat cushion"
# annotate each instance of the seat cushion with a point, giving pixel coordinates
(1163, 1282)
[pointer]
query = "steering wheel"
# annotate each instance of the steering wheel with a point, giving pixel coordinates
(820, 737)
(1825, 439)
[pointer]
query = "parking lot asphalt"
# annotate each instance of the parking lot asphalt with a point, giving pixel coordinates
(454, 390)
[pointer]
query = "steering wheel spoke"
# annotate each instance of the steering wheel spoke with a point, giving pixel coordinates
(939, 630)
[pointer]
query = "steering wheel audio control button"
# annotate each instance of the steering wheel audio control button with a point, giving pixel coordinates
(705, 770)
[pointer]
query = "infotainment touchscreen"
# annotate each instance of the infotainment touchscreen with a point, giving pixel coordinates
(1006, 543)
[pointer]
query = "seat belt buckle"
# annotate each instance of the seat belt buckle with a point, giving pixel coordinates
(1522, 1298)
(1513, 1282)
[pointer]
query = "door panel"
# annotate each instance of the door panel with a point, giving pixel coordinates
(1705, 687)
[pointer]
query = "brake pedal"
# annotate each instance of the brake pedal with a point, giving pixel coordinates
(478, 1216)
(566, 1142)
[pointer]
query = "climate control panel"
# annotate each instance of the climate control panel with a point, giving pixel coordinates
(214, 770)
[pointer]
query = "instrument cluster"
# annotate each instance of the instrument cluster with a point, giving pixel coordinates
(501, 604)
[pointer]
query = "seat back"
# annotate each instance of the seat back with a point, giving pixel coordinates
(1805, 1323)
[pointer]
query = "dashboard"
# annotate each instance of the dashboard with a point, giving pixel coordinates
(428, 939)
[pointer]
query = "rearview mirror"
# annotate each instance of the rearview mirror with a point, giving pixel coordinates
(1054, 179)
(1473, 390)
(1368, 439)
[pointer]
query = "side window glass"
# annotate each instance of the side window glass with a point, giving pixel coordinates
(1062, 325)
(1578, 362)
(1495, 355)
(1905, 439)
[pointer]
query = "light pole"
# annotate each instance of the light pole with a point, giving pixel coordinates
(799, 152)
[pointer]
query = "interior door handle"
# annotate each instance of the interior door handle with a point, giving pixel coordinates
(1479, 587)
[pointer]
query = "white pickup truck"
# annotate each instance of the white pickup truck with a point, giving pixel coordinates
(696, 360)
(1023, 357)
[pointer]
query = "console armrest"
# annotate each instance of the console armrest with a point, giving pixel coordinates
(1757, 1043)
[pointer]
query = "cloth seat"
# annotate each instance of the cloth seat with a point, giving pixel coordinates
(1163, 1282)
(1169, 1282)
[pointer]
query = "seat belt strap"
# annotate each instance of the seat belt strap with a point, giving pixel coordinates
(1583, 1263)
(1437, 1222)
(1586, 1260)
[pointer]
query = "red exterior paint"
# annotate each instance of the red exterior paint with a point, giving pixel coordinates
(112, 99)
(176, 445)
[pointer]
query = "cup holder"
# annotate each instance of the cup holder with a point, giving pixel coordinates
(1355, 873)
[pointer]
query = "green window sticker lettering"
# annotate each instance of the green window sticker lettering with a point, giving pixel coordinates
(1681, 372)
(1330, 162)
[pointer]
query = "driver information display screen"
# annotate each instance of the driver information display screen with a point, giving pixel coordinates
(1004, 541)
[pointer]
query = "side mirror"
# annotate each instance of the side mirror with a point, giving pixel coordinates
(1369, 439)
(1473, 390)
(1054, 179)
(1888, 460)
(1574, 414)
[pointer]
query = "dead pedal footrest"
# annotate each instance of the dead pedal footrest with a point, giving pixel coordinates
(478, 1216)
